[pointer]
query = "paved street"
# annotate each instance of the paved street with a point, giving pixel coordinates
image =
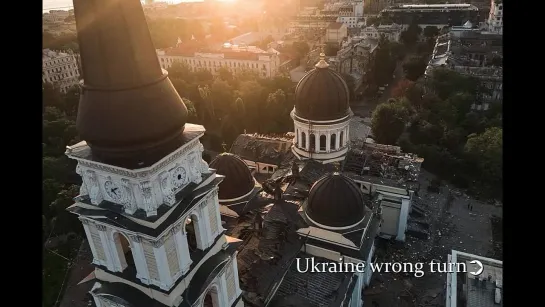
(364, 107)
(452, 226)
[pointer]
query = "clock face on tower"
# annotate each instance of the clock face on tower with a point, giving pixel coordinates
(178, 176)
(113, 190)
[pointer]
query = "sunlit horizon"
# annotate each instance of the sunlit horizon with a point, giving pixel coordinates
(48, 5)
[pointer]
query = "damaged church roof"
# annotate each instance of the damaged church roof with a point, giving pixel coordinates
(270, 149)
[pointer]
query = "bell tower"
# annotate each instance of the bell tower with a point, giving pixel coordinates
(148, 201)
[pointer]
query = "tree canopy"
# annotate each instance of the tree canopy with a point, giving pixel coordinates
(388, 121)
(457, 142)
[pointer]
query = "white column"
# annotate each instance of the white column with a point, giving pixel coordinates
(162, 264)
(206, 222)
(328, 142)
(98, 302)
(139, 260)
(359, 286)
(347, 134)
(307, 140)
(90, 241)
(403, 215)
(354, 298)
(222, 285)
(317, 142)
(183, 251)
(107, 247)
(216, 204)
(337, 140)
(235, 273)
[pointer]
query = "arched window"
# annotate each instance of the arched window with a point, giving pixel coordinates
(333, 141)
(303, 140)
(341, 139)
(124, 251)
(193, 236)
(323, 142)
(312, 142)
(212, 298)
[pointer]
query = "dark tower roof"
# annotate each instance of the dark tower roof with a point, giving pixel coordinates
(129, 112)
(335, 201)
(322, 94)
(238, 178)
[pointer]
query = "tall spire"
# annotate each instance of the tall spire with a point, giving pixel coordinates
(129, 112)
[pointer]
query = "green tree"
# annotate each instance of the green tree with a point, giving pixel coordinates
(486, 149)
(180, 70)
(446, 82)
(225, 74)
(414, 67)
(191, 111)
(410, 36)
(388, 122)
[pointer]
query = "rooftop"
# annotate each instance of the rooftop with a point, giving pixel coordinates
(455, 48)
(408, 7)
(483, 290)
(264, 258)
(227, 51)
(311, 289)
(335, 25)
(270, 149)
(381, 164)
(48, 54)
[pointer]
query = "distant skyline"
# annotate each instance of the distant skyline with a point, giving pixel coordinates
(68, 4)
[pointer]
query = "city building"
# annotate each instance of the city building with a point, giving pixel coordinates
(148, 202)
(495, 17)
(439, 15)
(232, 57)
(335, 33)
(56, 16)
(475, 53)
(391, 32)
(374, 7)
(60, 69)
(350, 13)
(473, 281)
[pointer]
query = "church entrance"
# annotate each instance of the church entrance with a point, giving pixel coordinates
(124, 251)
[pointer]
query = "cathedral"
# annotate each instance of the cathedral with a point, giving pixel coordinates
(166, 228)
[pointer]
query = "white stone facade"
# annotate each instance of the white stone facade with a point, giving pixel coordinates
(324, 141)
(144, 188)
(224, 290)
(157, 262)
(60, 69)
